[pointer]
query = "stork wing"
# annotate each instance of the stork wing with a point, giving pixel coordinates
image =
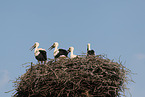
(44, 54)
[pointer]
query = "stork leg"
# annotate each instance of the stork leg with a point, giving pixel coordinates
(45, 62)
(55, 59)
(38, 62)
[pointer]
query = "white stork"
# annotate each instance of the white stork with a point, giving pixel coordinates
(89, 51)
(62, 53)
(71, 49)
(40, 54)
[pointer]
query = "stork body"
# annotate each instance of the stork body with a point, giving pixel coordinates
(89, 51)
(71, 49)
(40, 54)
(62, 53)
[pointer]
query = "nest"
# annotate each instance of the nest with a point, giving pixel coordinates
(94, 76)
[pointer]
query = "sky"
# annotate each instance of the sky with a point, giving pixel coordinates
(113, 27)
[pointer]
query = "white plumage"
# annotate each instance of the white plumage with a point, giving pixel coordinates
(71, 49)
(40, 54)
(58, 52)
(89, 51)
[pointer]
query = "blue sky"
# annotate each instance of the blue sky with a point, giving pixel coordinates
(113, 27)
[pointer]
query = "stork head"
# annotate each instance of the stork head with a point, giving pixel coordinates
(55, 44)
(34, 46)
(70, 49)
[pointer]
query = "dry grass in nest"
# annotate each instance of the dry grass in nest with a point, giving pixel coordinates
(94, 76)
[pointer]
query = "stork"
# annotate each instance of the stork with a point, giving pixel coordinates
(71, 49)
(62, 53)
(40, 54)
(89, 51)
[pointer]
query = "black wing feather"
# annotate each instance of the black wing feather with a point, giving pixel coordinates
(91, 52)
(42, 56)
(62, 52)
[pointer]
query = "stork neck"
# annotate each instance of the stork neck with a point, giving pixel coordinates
(88, 47)
(71, 52)
(36, 49)
(55, 48)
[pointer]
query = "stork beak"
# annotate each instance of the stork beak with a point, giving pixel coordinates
(51, 47)
(32, 47)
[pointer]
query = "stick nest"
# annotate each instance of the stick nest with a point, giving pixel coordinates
(94, 76)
